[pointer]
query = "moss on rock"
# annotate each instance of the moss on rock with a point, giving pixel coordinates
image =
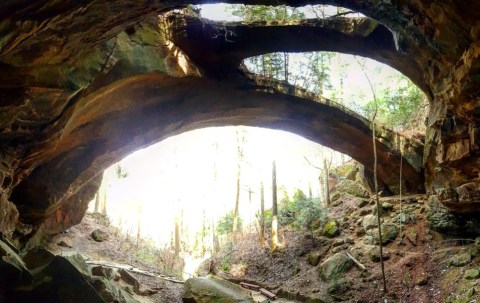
(331, 229)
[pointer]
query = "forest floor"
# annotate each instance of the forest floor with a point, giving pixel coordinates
(118, 248)
(423, 267)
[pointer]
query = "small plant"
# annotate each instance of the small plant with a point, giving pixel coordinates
(225, 224)
(407, 279)
(225, 264)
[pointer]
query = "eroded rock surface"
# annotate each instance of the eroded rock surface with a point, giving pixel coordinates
(77, 77)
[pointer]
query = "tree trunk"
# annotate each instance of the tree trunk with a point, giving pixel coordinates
(262, 216)
(274, 208)
(377, 203)
(177, 238)
(322, 190)
(102, 192)
(139, 223)
(237, 194)
(237, 202)
(204, 233)
(97, 202)
(325, 178)
(215, 244)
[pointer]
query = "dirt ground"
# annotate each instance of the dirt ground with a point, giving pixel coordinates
(117, 248)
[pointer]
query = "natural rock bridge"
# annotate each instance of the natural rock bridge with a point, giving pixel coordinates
(86, 83)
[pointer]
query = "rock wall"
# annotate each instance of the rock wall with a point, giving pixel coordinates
(64, 64)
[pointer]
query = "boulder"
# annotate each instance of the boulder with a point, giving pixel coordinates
(37, 257)
(374, 254)
(58, 281)
(471, 274)
(389, 233)
(352, 188)
(349, 170)
(110, 293)
(13, 271)
(313, 258)
(460, 260)
(106, 272)
(99, 235)
(387, 206)
(212, 290)
(364, 212)
(333, 267)
(130, 279)
(360, 231)
(331, 229)
(78, 261)
(370, 222)
(361, 202)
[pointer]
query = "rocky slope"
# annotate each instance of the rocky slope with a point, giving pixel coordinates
(421, 265)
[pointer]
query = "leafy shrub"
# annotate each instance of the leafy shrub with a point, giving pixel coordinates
(302, 213)
(225, 223)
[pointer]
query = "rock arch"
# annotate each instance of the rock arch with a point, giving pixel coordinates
(135, 112)
(56, 56)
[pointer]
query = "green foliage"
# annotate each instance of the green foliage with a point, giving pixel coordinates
(301, 212)
(274, 65)
(120, 171)
(266, 13)
(225, 223)
(225, 265)
(317, 78)
(398, 107)
(267, 217)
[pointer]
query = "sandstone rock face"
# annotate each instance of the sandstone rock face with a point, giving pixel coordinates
(55, 279)
(72, 212)
(71, 76)
(443, 220)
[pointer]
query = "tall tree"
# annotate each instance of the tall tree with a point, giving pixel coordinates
(177, 237)
(204, 232)
(261, 218)
(325, 178)
(97, 202)
(139, 223)
(102, 195)
(274, 208)
(240, 141)
(375, 181)
(215, 244)
(237, 194)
